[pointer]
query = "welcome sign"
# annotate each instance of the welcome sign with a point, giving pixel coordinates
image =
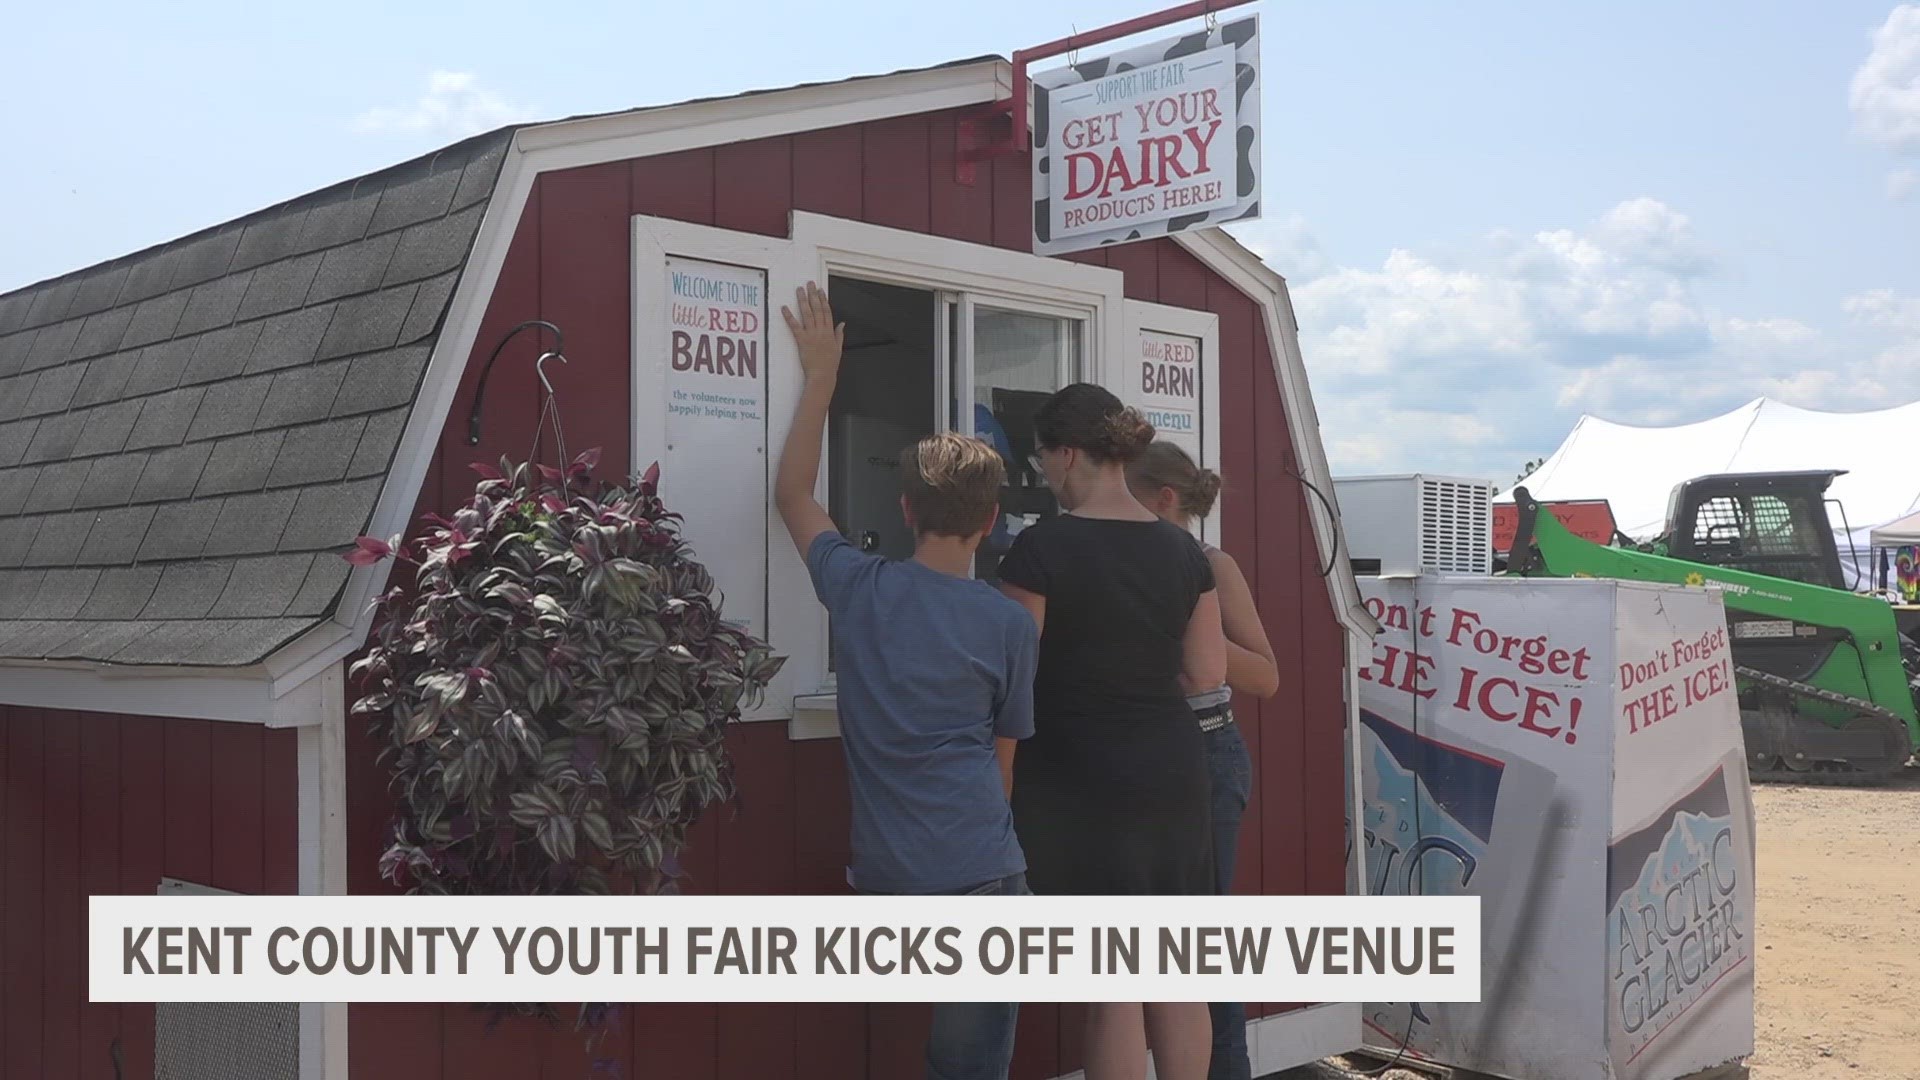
(1152, 141)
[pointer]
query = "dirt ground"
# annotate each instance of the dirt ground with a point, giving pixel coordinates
(1839, 931)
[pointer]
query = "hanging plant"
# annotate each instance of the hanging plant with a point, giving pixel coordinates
(552, 690)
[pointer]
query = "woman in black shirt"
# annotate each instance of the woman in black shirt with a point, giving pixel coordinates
(1111, 793)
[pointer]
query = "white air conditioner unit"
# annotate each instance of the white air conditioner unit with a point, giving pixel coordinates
(1417, 524)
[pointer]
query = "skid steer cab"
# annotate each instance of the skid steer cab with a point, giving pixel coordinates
(1774, 524)
(1764, 523)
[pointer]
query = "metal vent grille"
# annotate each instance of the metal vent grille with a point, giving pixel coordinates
(224, 1040)
(1456, 526)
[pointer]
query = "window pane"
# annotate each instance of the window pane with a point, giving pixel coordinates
(1019, 360)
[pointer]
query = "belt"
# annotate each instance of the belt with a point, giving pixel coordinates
(1214, 717)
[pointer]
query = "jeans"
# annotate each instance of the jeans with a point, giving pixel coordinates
(973, 1040)
(1232, 770)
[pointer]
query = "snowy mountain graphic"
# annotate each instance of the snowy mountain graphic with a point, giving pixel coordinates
(1454, 791)
(1688, 846)
(1683, 837)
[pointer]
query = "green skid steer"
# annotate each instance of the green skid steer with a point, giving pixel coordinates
(1826, 676)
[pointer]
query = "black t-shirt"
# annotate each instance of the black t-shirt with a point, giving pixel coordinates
(1112, 723)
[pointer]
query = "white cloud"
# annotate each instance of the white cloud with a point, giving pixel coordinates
(1885, 93)
(1284, 244)
(454, 106)
(1476, 363)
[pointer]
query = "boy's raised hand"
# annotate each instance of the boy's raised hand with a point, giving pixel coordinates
(820, 342)
(814, 331)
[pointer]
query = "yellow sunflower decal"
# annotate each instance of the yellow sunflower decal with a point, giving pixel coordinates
(1695, 579)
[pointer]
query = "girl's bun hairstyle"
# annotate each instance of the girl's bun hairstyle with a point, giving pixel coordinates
(1165, 464)
(1091, 419)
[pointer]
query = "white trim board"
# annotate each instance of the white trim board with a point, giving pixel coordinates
(1243, 269)
(322, 858)
(238, 696)
(1291, 1039)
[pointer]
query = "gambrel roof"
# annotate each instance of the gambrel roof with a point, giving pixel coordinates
(189, 435)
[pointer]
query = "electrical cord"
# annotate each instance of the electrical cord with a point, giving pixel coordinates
(1333, 516)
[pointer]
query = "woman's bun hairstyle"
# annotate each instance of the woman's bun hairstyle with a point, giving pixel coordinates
(1165, 464)
(1091, 419)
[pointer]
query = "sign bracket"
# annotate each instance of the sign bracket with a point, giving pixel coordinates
(980, 136)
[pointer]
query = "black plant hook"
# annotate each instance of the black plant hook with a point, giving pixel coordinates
(480, 391)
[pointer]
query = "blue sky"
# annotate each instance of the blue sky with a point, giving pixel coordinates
(1494, 216)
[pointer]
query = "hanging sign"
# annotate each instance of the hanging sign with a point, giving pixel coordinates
(714, 470)
(1156, 140)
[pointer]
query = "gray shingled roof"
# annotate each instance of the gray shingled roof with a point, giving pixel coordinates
(190, 436)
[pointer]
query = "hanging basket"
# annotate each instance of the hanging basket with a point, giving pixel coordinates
(552, 690)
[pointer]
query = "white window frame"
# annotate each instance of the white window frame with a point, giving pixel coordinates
(1204, 326)
(821, 247)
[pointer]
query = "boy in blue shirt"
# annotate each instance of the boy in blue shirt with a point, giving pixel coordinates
(935, 680)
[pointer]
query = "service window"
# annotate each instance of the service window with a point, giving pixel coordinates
(941, 335)
(919, 361)
(1012, 362)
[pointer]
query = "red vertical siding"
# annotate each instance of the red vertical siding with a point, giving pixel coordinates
(570, 263)
(63, 907)
(756, 844)
(143, 856)
(25, 928)
(753, 186)
(100, 874)
(97, 804)
(831, 1038)
(895, 172)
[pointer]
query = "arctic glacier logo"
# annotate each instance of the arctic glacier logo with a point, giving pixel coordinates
(1676, 929)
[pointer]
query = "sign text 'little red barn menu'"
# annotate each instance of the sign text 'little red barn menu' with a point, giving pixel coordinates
(1156, 140)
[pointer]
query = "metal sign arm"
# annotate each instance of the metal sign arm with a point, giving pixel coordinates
(1015, 108)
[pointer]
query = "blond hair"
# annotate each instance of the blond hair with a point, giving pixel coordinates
(952, 483)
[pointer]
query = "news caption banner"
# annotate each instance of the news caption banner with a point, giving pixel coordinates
(228, 948)
(1147, 142)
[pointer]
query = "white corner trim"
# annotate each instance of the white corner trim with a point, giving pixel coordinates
(1358, 652)
(744, 117)
(1244, 270)
(1291, 1039)
(322, 785)
(242, 695)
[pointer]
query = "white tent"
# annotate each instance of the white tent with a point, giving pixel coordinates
(1900, 533)
(1636, 468)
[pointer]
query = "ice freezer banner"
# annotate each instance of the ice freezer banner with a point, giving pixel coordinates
(1496, 718)
(1680, 867)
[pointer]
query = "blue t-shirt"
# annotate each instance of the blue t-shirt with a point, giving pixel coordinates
(931, 669)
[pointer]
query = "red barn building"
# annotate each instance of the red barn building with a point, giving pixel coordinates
(191, 436)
